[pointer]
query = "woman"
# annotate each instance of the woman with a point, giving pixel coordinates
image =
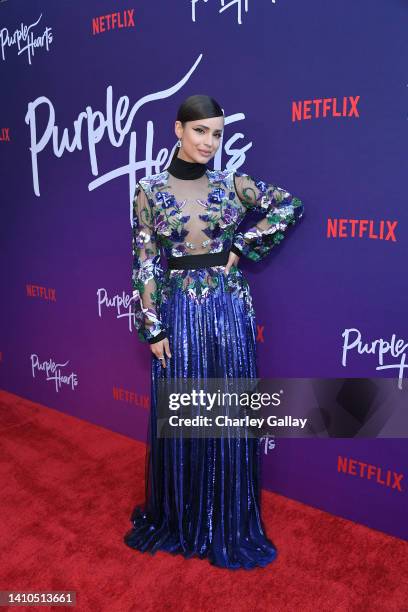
(202, 495)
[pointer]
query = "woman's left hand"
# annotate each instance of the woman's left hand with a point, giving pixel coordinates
(233, 260)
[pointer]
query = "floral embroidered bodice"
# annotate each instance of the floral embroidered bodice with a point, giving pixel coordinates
(177, 217)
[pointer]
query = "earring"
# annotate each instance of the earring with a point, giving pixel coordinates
(179, 143)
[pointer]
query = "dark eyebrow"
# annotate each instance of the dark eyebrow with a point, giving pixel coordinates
(207, 128)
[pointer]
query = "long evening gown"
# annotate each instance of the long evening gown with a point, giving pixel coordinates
(202, 495)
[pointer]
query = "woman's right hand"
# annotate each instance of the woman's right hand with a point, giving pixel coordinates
(161, 349)
(233, 260)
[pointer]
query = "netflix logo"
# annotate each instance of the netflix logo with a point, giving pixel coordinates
(361, 228)
(113, 21)
(4, 134)
(321, 108)
(385, 478)
(131, 397)
(45, 293)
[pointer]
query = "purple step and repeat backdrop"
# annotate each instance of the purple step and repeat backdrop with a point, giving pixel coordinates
(315, 97)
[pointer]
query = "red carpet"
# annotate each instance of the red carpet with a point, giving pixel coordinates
(68, 488)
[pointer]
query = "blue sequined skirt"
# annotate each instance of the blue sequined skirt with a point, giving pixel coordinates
(203, 495)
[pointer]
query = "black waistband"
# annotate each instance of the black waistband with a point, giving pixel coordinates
(204, 260)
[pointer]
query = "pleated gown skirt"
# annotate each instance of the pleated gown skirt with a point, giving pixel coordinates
(203, 494)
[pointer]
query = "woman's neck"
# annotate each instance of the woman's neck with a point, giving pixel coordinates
(185, 170)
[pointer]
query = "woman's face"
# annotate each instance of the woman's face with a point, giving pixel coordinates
(200, 139)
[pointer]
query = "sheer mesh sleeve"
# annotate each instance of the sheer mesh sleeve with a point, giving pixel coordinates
(147, 272)
(281, 210)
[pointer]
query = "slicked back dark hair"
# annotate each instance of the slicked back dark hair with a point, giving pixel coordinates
(197, 107)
